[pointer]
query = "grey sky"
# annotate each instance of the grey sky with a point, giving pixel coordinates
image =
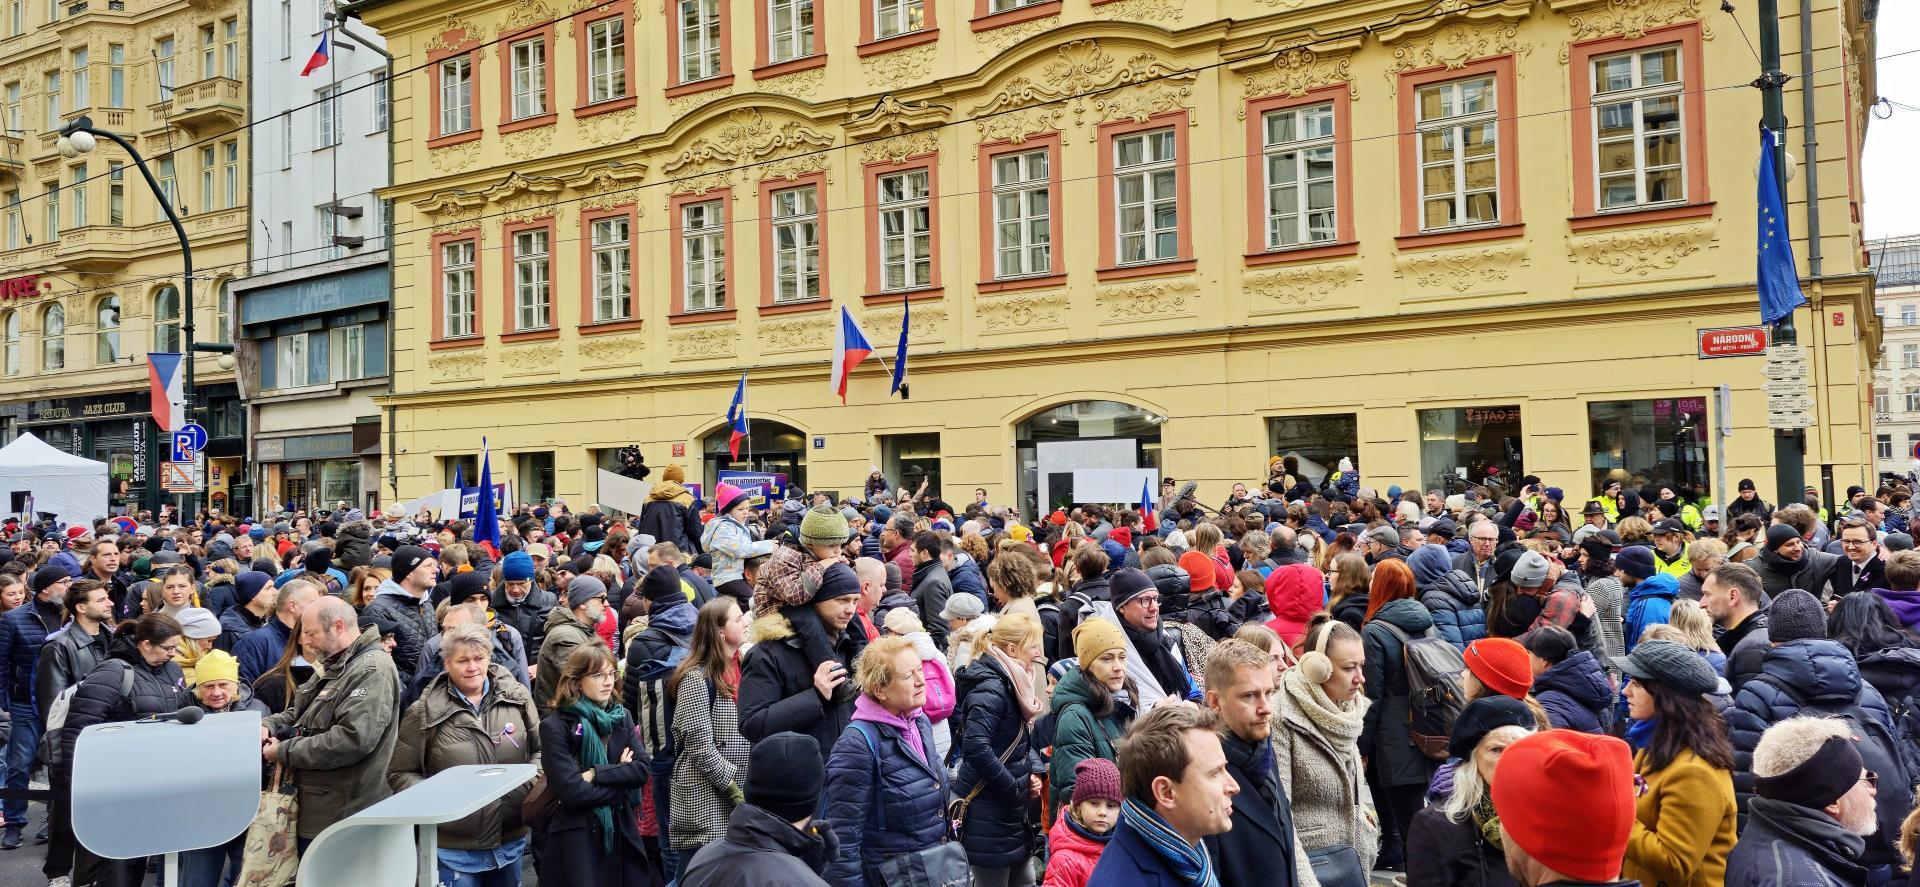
(1891, 205)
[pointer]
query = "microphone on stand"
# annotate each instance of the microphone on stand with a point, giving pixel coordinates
(189, 715)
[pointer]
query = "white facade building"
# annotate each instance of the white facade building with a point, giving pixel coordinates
(1896, 378)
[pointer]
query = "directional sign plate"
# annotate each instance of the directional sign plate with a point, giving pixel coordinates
(1789, 403)
(1784, 386)
(177, 477)
(1789, 420)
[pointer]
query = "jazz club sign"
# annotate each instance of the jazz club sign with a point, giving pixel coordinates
(24, 287)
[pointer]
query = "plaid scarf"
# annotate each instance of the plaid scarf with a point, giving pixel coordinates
(1189, 862)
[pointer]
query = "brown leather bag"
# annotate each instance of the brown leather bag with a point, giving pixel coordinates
(538, 807)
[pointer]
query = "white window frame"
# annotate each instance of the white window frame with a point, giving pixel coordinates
(286, 140)
(209, 186)
(1908, 315)
(790, 29)
(607, 59)
(891, 18)
(1454, 128)
(703, 256)
(230, 48)
(208, 58)
(457, 278)
(529, 65)
(51, 91)
(163, 172)
(532, 280)
(163, 59)
(116, 193)
(1910, 356)
(1155, 178)
(116, 75)
(12, 342)
(230, 174)
(456, 94)
(1882, 402)
(78, 173)
(905, 217)
(326, 117)
(1634, 99)
(77, 60)
(108, 318)
(1883, 446)
(166, 324)
(612, 245)
(697, 27)
(1290, 168)
(1913, 402)
(286, 29)
(13, 106)
(1009, 5)
(1022, 214)
(796, 244)
(382, 111)
(51, 190)
(294, 370)
(16, 228)
(53, 338)
(347, 352)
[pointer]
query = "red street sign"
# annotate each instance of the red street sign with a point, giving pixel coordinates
(23, 287)
(1733, 341)
(679, 450)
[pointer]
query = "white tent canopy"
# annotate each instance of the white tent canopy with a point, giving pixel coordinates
(71, 488)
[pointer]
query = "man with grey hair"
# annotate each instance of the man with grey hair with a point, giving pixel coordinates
(1812, 811)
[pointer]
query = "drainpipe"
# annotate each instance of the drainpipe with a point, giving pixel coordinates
(1811, 167)
(344, 12)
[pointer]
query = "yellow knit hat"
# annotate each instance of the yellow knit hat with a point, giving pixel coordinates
(216, 665)
(1094, 637)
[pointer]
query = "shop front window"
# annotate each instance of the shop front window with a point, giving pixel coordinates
(1660, 441)
(536, 477)
(770, 447)
(339, 481)
(1316, 443)
(1050, 445)
(910, 459)
(1470, 445)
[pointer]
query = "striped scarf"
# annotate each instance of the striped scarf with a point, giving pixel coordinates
(1189, 862)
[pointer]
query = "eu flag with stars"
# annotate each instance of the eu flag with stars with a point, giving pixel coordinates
(1778, 282)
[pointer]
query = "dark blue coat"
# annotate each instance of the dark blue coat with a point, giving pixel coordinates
(881, 808)
(1576, 694)
(966, 577)
(1459, 614)
(259, 650)
(1129, 862)
(996, 831)
(22, 634)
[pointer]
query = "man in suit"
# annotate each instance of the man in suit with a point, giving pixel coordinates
(1178, 794)
(1260, 848)
(1863, 568)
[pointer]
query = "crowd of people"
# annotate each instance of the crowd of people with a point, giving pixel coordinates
(1312, 684)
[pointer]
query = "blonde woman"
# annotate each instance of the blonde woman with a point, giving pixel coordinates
(996, 753)
(1694, 628)
(886, 790)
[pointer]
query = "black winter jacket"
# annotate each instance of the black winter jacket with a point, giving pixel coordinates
(1386, 740)
(1786, 845)
(67, 658)
(1441, 851)
(776, 686)
(669, 521)
(573, 851)
(529, 616)
(760, 849)
(996, 831)
(353, 545)
(155, 690)
(1576, 694)
(414, 624)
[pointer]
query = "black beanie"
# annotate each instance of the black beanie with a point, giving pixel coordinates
(466, 585)
(1778, 535)
(662, 583)
(785, 776)
(1126, 584)
(838, 581)
(320, 561)
(45, 577)
(407, 559)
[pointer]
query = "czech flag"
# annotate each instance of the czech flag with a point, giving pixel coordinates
(737, 418)
(849, 348)
(1146, 506)
(321, 55)
(165, 370)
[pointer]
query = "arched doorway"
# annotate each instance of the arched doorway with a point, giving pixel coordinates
(770, 447)
(1083, 434)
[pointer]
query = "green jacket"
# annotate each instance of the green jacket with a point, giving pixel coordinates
(565, 631)
(338, 734)
(1078, 735)
(440, 731)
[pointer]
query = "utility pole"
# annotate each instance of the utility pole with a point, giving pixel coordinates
(1789, 445)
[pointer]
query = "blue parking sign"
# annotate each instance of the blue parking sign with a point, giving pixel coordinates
(182, 447)
(195, 432)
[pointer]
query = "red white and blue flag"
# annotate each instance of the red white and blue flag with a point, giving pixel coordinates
(1146, 506)
(165, 369)
(320, 57)
(737, 418)
(849, 348)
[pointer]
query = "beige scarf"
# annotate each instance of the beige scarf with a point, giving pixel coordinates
(1341, 722)
(1019, 677)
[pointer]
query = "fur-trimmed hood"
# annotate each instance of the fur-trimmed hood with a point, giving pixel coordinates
(769, 628)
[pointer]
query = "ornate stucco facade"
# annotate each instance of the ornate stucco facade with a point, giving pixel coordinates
(93, 268)
(1373, 229)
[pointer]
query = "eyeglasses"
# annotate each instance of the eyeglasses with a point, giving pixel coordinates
(604, 675)
(171, 650)
(1855, 542)
(1146, 600)
(1872, 779)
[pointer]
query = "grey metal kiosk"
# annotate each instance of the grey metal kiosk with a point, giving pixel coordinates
(395, 843)
(216, 762)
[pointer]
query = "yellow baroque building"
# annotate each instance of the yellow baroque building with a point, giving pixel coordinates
(90, 269)
(1440, 239)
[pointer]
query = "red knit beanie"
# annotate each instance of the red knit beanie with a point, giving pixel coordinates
(1532, 783)
(1096, 779)
(1199, 570)
(1502, 665)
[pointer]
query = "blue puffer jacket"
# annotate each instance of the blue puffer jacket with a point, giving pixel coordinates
(881, 808)
(1648, 604)
(965, 576)
(1449, 594)
(22, 634)
(1576, 694)
(1824, 674)
(995, 831)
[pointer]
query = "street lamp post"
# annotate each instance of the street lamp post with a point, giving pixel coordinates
(77, 138)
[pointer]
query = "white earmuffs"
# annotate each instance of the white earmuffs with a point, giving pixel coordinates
(1314, 665)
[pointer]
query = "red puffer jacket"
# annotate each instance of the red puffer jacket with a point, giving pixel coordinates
(1071, 855)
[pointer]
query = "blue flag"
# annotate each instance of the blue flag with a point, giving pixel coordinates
(900, 352)
(459, 483)
(486, 523)
(1774, 275)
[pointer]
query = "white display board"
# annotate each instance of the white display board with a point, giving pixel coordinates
(1115, 486)
(622, 492)
(1058, 456)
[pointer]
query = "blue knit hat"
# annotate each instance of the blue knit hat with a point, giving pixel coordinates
(516, 567)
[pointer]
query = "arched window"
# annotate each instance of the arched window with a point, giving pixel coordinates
(53, 338)
(11, 343)
(1051, 444)
(166, 320)
(223, 313)
(106, 331)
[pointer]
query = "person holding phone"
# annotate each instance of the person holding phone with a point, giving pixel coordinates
(782, 689)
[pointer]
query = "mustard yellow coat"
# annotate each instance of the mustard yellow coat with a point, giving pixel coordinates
(1684, 824)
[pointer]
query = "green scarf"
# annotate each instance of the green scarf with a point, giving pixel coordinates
(593, 754)
(1486, 819)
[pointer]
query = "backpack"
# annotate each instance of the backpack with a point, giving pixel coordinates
(57, 714)
(1434, 697)
(1879, 753)
(652, 705)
